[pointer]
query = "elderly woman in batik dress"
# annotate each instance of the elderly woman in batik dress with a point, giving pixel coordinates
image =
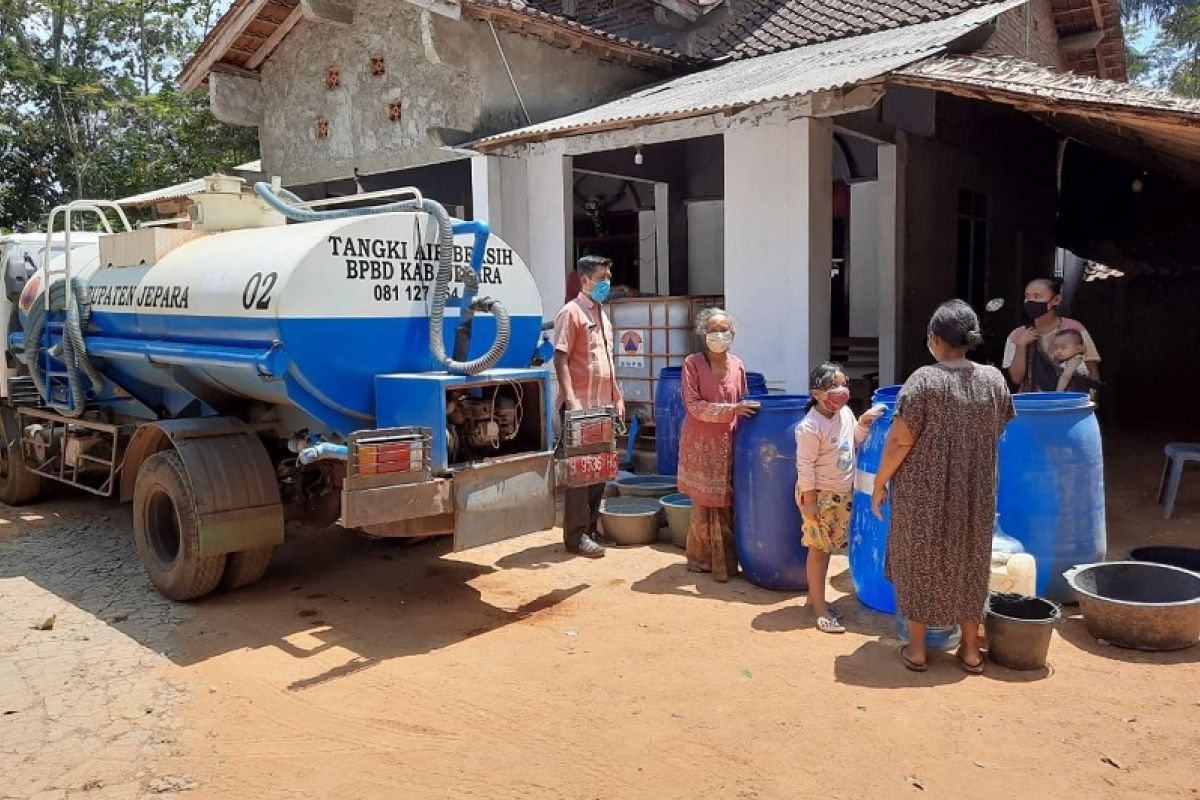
(714, 391)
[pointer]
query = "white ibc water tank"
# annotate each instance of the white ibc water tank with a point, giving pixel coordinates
(649, 334)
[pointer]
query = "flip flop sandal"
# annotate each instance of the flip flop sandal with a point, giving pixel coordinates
(908, 662)
(829, 625)
(970, 669)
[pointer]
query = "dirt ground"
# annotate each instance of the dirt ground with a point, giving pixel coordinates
(361, 669)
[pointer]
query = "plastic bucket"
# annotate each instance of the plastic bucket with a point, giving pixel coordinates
(1019, 629)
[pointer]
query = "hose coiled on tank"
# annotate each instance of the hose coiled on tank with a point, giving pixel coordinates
(71, 351)
(441, 286)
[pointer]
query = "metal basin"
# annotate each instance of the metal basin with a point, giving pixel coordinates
(678, 508)
(630, 520)
(1139, 605)
(647, 486)
(610, 488)
(1185, 557)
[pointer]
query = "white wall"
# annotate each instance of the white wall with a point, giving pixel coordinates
(865, 239)
(706, 246)
(893, 161)
(498, 196)
(778, 245)
(548, 198)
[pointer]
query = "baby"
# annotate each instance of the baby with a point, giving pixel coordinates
(1067, 350)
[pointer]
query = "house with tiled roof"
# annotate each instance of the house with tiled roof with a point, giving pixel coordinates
(832, 170)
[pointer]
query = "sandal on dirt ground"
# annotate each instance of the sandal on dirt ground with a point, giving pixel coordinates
(908, 662)
(829, 625)
(970, 669)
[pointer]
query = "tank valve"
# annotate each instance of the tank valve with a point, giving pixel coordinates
(323, 452)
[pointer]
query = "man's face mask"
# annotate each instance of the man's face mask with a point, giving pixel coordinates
(600, 291)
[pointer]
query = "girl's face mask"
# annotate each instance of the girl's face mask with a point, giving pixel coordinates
(718, 341)
(836, 399)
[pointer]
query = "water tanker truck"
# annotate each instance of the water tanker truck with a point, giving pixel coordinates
(270, 362)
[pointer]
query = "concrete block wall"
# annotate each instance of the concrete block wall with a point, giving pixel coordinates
(444, 73)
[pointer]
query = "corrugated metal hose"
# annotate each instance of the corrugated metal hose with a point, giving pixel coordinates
(71, 351)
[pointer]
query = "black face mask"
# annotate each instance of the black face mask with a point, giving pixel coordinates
(1035, 308)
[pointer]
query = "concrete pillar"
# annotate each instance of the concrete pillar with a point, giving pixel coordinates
(778, 246)
(892, 160)
(498, 196)
(548, 182)
(865, 239)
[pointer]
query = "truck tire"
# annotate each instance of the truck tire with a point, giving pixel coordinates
(245, 568)
(166, 531)
(18, 486)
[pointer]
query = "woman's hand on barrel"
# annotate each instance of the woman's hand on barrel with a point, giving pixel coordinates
(878, 498)
(746, 408)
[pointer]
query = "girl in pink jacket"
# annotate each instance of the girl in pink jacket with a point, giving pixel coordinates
(826, 440)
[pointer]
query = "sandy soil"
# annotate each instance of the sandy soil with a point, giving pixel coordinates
(361, 669)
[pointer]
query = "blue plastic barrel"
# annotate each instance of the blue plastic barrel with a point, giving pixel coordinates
(669, 413)
(868, 535)
(766, 519)
(1051, 486)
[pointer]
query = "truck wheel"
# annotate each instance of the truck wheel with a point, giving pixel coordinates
(166, 531)
(245, 568)
(18, 485)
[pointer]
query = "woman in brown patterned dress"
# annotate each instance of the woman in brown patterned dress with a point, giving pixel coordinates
(714, 391)
(941, 452)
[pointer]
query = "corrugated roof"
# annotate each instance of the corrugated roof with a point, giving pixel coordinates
(179, 190)
(752, 81)
(1051, 89)
(1139, 124)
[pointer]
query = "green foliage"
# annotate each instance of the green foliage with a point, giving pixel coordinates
(1171, 58)
(87, 107)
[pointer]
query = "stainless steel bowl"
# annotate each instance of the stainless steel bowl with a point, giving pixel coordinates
(654, 486)
(678, 508)
(630, 520)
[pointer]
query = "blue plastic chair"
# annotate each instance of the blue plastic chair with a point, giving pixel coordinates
(1178, 454)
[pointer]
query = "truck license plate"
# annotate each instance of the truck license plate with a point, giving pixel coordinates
(591, 469)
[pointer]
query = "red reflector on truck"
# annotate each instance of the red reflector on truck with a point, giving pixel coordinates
(382, 454)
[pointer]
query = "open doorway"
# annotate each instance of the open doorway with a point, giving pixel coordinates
(617, 217)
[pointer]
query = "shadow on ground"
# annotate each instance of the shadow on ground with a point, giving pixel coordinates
(375, 598)
(677, 580)
(1073, 631)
